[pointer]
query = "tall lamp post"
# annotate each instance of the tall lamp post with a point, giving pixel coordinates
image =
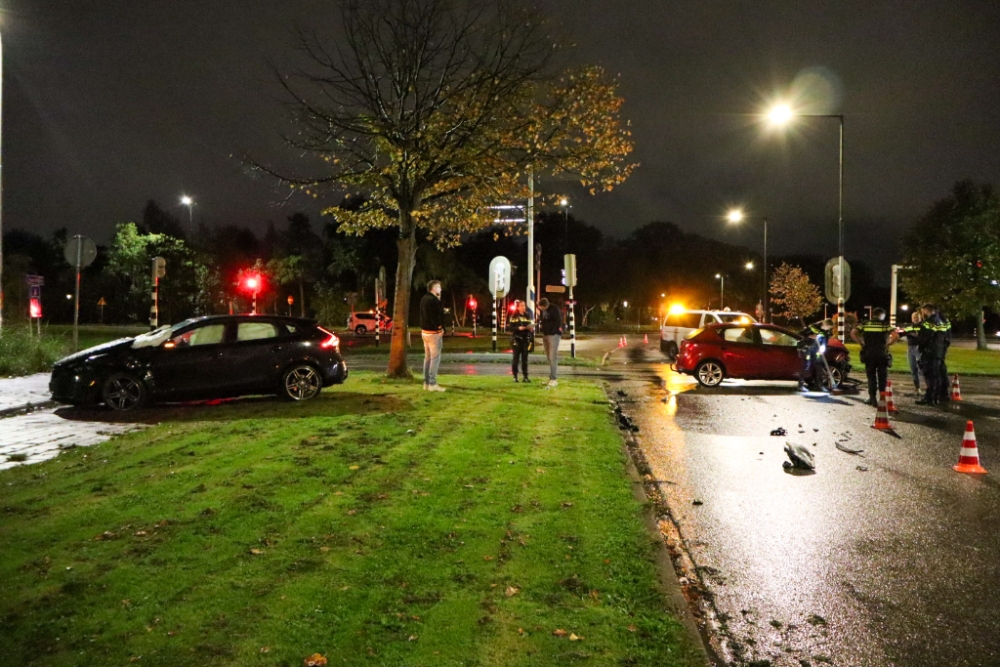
(781, 115)
(564, 204)
(1, 185)
(722, 290)
(736, 216)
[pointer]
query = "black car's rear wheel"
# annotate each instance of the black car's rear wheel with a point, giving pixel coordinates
(300, 383)
(122, 392)
(709, 373)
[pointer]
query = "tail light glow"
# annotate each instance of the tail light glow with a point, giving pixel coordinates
(331, 342)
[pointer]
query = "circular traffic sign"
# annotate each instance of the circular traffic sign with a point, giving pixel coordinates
(80, 251)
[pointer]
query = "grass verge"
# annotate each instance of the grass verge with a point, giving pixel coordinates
(376, 525)
(961, 361)
(22, 353)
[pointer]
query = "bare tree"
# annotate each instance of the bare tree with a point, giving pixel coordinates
(434, 109)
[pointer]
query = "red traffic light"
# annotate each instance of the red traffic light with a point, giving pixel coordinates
(472, 303)
(252, 282)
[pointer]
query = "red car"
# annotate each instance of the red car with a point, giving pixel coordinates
(751, 351)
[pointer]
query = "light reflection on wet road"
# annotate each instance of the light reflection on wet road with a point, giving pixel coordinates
(882, 559)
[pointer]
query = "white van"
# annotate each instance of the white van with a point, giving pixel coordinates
(680, 323)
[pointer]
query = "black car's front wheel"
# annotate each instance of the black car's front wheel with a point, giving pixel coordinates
(123, 392)
(300, 383)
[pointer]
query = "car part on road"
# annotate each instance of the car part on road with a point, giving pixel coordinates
(800, 457)
(780, 432)
(709, 373)
(848, 450)
(300, 383)
(123, 392)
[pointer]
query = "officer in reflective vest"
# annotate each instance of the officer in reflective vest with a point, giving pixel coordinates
(933, 339)
(875, 336)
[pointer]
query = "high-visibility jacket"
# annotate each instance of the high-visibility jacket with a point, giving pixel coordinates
(875, 334)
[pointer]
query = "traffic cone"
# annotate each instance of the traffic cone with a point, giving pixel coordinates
(890, 404)
(956, 389)
(882, 415)
(645, 341)
(968, 457)
(624, 341)
(619, 342)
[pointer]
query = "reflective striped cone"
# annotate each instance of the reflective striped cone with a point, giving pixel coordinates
(645, 339)
(882, 415)
(890, 403)
(620, 343)
(956, 389)
(968, 458)
(624, 341)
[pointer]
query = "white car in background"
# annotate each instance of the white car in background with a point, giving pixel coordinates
(362, 323)
(680, 322)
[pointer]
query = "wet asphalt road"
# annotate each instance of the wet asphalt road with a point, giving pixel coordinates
(884, 558)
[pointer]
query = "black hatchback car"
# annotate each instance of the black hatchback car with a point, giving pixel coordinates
(218, 356)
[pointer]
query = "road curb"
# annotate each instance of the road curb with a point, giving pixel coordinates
(26, 408)
(668, 577)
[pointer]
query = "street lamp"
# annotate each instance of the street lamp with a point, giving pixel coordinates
(749, 266)
(564, 203)
(736, 216)
(780, 115)
(722, 290)
(187, 201)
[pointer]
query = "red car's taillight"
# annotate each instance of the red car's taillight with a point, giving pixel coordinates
(330, 342)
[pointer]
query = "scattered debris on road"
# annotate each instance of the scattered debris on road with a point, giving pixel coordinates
(856, 452)
(800, 457)
(779, 432)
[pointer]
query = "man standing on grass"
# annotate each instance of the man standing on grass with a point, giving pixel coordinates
(551, 323)
(432, 332)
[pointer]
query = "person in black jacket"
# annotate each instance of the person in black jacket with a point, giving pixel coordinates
(432, 333)
(931, 340)
(875, 337)
(522, 334)
(550, 319)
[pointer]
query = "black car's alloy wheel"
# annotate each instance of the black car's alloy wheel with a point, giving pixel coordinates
(300, 383)
(124, 392)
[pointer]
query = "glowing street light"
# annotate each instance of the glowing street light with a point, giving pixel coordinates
(722, 290)
(782, 114)
(187, 201)
(736, 216)
(749, 266)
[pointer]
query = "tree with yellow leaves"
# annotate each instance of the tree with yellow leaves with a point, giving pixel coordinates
(434, 110)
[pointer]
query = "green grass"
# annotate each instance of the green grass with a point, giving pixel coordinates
(364, 346)
(23, 353)
(961, 361)
(376, 525)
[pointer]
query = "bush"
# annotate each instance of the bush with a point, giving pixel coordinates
(22, 353)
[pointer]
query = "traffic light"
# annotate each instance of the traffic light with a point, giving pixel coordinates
(252, 282)
(472, 302)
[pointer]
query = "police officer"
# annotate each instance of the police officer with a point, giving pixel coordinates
(932, 342)
(943, 390)
(875, 336)
(812, 350)
(522, 333)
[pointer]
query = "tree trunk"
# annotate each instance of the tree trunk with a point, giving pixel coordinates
(407, 244)
(981, 331)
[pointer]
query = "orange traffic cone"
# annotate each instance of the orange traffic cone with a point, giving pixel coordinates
(882, 415)
(624, 341)
(645, 340)
(620, 343)
(956, 389)
(968, 457)
(890, 403)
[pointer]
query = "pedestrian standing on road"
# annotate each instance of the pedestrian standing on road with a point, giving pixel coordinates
(943, 390)
(912, 350)
(550, 321)
(875, 336)
(931, 339)
(432, 333)
(522, 339)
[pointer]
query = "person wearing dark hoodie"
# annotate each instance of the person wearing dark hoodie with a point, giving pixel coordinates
(432, 333)
(550, 321)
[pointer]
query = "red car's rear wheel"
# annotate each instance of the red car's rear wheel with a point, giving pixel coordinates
(709, 373)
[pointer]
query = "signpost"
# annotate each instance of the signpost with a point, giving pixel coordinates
(838, 288)
(499, 280)
(569, 273)
(159, 270)
(35, 300)
(379, 294)
(80, 251)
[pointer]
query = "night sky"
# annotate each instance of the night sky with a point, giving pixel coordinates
(108, 104)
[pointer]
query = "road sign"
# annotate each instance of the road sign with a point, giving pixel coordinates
(569, 264)
(80, 251)
(555, 289)
(159, 267)
(34, 291)
(499, 277)
(838, 286)
(34, 280)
